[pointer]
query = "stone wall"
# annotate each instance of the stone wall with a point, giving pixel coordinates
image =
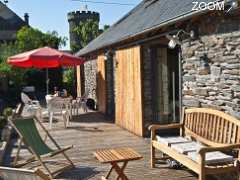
(90, 74)
(211, 68)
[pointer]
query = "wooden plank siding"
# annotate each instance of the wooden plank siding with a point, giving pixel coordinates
(101, 84)
(128, 90)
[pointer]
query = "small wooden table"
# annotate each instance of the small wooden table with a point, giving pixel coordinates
(115, 156)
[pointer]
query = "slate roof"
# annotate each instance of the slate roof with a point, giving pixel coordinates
(10, 23)
(148, 15)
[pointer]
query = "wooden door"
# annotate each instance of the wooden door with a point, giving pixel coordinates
(128, 90)
(101, 84)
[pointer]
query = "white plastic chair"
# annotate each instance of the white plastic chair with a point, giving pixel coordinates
(32, 107)
(58, 105)
(81, 102)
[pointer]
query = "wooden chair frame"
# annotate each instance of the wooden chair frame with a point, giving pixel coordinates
(41, 159)
(187, 128)
(38, 173)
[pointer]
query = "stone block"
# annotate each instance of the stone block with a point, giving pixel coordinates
(212, 93)
(232, 72)
(188, 66)
(211, 106)
(203, 78)
(221, 97)
(215, 71)
(230, 47)
(188, 92)
(203, 71)
(211, 98)
(215, 79)
(191, 102)
(218, 102)
(236, 101)
(192, 59)
(237, 52)
(209, 40)
(231, 82)
(236, 88)
(200, 91)
(231, 66)
(189, 78)
(220, 42)
(237, 94)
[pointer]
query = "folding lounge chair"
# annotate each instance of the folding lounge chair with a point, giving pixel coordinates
(29, 135)
(15, 174)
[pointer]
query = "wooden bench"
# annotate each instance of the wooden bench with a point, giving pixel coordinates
(216, 130)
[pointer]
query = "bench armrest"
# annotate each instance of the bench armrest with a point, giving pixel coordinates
(204, 150)
(155, 127)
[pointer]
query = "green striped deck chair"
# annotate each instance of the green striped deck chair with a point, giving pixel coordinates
(29, 135)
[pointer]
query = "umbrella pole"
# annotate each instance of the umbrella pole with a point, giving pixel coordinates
(47, 81)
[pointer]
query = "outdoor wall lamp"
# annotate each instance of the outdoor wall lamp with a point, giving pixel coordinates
(231, 4)
(174, 40)
(108, 55)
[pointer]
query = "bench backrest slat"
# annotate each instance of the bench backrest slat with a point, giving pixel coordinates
(212, 127)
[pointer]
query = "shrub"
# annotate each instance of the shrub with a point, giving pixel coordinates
(7, 112)
(3, 122)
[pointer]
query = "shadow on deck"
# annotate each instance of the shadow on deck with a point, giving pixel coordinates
(92, 131)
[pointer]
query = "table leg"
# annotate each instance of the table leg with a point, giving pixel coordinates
(109, 172)
(119, 170)
(123, 168)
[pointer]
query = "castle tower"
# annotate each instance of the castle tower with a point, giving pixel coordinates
(74, 18)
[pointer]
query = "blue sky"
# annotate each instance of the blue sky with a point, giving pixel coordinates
(49, 15)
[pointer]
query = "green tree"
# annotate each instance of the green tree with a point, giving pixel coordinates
(30, 38)
(87, 31)
(7, 72)
(27, 39)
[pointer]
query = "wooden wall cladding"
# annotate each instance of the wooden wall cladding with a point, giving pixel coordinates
(101, 84)
(128, 90)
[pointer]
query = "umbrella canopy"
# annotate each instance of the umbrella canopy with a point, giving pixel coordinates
(44, 58)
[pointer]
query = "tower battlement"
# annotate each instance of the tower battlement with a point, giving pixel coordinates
(83, 15)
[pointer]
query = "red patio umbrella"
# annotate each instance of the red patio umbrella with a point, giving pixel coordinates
(44, 58)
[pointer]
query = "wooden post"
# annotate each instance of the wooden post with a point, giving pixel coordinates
(79, 90)
(152, 149)
(202, 174)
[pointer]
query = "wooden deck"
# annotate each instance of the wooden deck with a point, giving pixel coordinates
(93, 131)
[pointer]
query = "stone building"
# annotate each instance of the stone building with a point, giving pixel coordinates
(10, 23)
(86, 75)
(164, 55)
